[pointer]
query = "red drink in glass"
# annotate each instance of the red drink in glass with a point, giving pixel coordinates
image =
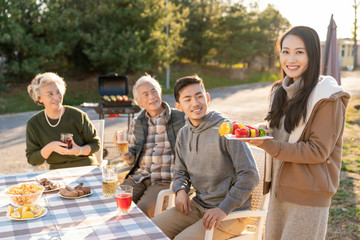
(123, 201)
(66, 138)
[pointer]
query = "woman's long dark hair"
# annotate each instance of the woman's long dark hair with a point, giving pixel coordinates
(295, 108)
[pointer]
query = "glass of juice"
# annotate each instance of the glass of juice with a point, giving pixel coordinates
(109, 180)
(122, 143)
(124, 198)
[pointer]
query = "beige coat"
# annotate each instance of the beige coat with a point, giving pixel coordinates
(311, 160)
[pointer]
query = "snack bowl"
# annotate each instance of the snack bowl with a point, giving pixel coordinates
(25, 193)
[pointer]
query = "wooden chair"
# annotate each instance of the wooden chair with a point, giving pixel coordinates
(257, 213)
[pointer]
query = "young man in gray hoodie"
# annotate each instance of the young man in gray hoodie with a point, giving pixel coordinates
(223, 172)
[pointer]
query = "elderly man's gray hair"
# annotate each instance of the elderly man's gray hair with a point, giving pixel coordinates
(146, 78)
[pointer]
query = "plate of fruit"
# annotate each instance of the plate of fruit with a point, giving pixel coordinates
(26, 212)
(240, 131)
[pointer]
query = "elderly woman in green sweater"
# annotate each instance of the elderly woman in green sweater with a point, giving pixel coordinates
(43, 130)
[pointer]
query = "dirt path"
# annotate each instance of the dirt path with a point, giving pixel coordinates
(245, 103)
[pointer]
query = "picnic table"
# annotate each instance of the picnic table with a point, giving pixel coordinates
(92, 217)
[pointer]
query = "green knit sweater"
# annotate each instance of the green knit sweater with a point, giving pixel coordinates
(75, 121)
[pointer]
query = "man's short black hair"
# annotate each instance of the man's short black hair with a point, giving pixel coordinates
(186, 81)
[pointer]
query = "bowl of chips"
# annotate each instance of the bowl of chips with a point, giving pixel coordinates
(25, 193)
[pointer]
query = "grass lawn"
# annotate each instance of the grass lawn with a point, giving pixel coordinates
(344, 218)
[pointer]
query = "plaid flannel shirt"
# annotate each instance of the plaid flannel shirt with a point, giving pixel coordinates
(157, 157)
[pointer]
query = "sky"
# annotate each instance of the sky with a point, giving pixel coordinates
(316, 14)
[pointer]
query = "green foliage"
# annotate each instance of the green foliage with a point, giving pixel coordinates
(235, 36)
(104, 36)
(270, 24)
(127, 36)
(20, 37)
(199, 34)
(267, 76)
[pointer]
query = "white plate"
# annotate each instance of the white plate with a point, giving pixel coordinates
(233, 137)
(62, 196)
(56, 189)
(19, 219)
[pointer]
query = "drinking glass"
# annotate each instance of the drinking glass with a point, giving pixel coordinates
(122, 143)
(109, 180)
(66, 138)
(123, 198)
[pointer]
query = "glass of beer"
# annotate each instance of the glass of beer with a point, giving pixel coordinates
(66, 138)
(123, 198)
(109, 180)
(122, 143)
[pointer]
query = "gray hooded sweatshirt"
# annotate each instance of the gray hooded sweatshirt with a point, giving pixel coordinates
(222, 171)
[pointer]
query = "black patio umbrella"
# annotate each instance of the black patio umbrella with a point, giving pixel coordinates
(331, 64)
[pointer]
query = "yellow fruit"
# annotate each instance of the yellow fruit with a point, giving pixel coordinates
(27, 215)
(113, 98)
(225, 128)
(38, 212)
(16, 215)
(9, 210)
(252, 133)
(37, 206)
(19, 210)
(25, 209)
(241, 125)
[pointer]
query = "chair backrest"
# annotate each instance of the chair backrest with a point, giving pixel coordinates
(257, 201)
(100, 129)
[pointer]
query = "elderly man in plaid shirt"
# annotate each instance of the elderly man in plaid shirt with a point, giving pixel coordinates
(152, 137)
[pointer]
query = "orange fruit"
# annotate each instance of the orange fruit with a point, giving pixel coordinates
(225, 128)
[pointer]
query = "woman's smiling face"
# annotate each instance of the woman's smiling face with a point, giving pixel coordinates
(51, 97)
(293, 57)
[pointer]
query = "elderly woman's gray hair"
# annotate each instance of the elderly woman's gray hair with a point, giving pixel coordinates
(146, 78)
(40, 80)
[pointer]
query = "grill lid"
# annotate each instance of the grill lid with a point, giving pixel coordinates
(113, 84)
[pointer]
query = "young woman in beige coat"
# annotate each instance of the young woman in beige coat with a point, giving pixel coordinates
(307, 115)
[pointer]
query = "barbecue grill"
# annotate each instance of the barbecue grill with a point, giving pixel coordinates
(111, 86)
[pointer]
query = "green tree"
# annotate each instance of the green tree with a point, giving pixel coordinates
(21, 40)
(62, 34)
(199, 35)
(124, 36)
(96, 35)
(271, 25)
(236, 34)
